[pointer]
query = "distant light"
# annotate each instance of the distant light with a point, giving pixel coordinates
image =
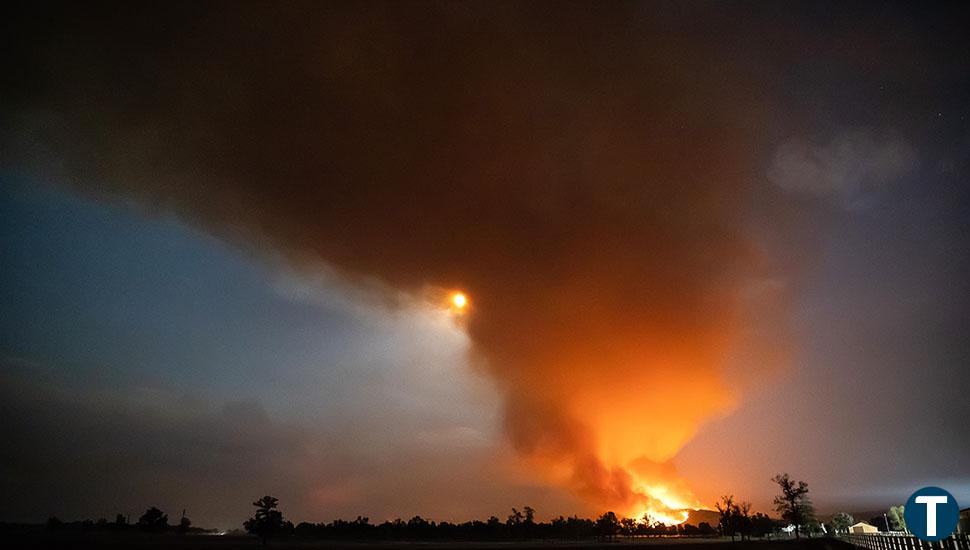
(459, 300)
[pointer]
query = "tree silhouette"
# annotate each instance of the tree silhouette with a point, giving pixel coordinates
(530, 515)
(897, 517)
(793, 503)
(813, 527)
(419, 527)
(726, 508)
(529, 521)
(268, 521)
(628, 527)
(607, 525)
(153, 520)
(735, 518)
(841, 522)
(762, 525)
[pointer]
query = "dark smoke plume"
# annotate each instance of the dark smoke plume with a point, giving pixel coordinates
(581, 171)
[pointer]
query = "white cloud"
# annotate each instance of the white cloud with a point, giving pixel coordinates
(848, 167)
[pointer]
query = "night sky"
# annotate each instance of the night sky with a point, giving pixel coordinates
(702, 244)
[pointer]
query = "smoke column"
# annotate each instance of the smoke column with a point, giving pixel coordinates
(581, 173)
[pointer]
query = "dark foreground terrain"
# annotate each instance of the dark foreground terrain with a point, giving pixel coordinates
(201, 542)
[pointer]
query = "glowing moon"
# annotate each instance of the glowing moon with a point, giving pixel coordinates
(459, 300)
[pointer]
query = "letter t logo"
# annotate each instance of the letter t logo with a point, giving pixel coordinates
(931, 502)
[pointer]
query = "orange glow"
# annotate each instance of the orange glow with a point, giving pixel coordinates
(626, 412)
(666, 507)
(671, 517)
(459, 300)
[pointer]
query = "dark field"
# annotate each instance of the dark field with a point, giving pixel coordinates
(43, 539)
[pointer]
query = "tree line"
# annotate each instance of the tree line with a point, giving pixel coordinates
(268, 522)
(152, 521)
(735, 520)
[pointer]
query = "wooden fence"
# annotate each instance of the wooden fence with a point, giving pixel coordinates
(892, 541)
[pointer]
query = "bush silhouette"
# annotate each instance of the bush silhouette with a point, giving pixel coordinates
(153, 520)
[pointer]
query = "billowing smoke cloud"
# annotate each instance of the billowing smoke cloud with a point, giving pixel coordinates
(581, 174)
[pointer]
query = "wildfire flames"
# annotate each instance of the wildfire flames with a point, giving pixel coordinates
(674, 517)
(607, 427)
(666, 508)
